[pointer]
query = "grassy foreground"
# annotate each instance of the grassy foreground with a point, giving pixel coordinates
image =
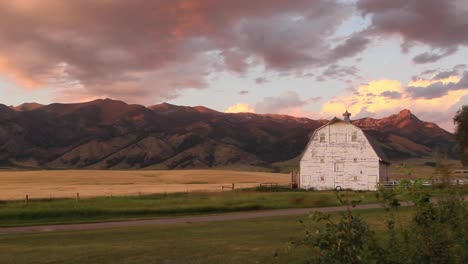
(247, 241)
(17, 213)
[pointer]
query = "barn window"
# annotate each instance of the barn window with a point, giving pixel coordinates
(354, 136)
(322, 137)
(355, 178)
(355, 160)
(321, 178)
(322, 160)
(339, 166)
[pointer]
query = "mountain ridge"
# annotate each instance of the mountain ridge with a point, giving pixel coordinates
(111, 134)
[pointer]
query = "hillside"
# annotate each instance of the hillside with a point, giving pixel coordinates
(110, 134)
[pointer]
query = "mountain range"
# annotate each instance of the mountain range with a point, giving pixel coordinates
(111, 134)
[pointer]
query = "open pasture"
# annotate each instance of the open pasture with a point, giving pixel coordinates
(262, 240)
(15, 185)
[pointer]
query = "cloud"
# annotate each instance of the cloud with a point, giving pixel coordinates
(152, 50)
(353, 45)
(434, 90)
(439, 85)
(242, 92)
(315, 99)
(278, 104)
(439, 24)
(240, 108)
(391, 94)
(338, 72)
(445, 75)
(380, 98)
(261, 80)
(444, 117)
(428, 57)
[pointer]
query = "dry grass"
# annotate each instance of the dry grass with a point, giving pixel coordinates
(90, 183)
(418, 168)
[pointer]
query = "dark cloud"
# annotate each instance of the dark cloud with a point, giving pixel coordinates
(428, 57)
(274, 104)
(440, 24)
(261, 80)
(320, 78)
(337, 72)
(392, 94)
(426, 72)
(432, 91)
(438, 89)
(445, 74)
(141, 50)
(435, 75)
(352, 46)
(242, 92)
(315, 99)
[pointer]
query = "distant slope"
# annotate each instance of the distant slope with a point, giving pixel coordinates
(27, 107)
(112, 134)
(403, 135)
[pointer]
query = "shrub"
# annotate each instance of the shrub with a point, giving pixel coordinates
(437, 232)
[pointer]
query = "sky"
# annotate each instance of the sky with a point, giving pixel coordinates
(306, 58)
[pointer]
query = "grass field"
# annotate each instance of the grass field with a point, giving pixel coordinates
(419, 168)
(247, 241)
(91, 183)
(15, 213)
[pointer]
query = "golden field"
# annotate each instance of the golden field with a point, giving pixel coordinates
(90, 183)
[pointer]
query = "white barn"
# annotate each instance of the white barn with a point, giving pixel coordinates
(341, 155)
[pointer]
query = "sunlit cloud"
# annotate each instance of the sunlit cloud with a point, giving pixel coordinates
(380, 98)
(427, 82)
(367, 96)
(240, 108)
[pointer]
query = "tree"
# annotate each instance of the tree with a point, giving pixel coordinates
(461, 133)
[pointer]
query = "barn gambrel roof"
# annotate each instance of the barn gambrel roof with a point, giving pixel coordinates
(376, 146)
(374, 143)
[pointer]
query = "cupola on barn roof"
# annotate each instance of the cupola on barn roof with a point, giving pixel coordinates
(346, 116)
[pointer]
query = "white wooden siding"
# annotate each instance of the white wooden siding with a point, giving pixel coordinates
(339, 160)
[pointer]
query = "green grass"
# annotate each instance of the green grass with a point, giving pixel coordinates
(160, 205)
(246, 241)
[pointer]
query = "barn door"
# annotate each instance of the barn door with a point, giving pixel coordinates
(339, 174)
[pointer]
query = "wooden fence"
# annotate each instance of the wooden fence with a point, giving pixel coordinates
(453, 182)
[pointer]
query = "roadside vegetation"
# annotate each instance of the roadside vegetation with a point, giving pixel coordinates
(117, 208)
(436, 232)
(35, 212)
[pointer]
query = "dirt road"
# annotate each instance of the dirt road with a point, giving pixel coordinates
(181, 220)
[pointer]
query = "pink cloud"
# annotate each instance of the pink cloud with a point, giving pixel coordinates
(439, 24)
(148, 50)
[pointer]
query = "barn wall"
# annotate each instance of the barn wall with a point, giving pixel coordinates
(383, 169)
(339, 161)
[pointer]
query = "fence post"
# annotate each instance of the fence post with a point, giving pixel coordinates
(233, 186)
(292, 179)
(26, 200)
(77, 196)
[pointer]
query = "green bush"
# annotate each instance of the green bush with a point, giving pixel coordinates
(437, 233)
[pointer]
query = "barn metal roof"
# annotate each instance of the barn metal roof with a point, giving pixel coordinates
(374, 143)
(378, 150)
